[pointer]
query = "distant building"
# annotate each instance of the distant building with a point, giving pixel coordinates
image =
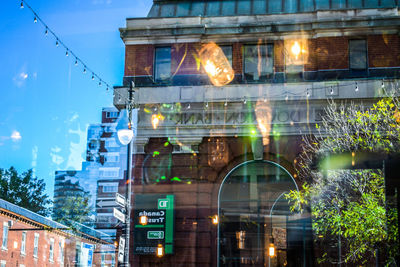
(101, 173)
(29, 240)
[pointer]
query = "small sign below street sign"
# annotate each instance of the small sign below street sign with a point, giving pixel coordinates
(120, 199)
(119, 215)
(121, 249)
(155, 235)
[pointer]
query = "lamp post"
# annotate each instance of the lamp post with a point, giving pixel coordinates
(125, 136)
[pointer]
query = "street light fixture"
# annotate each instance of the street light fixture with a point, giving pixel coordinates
(125, 136)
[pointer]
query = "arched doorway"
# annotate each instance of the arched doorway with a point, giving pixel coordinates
(254, 215)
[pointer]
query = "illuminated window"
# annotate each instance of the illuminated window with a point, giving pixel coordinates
(23, 243)
(358, 54)
(162, 63)
(5, 236)
(227, 49)
(2, 263)
(36, 245)
(258, 62)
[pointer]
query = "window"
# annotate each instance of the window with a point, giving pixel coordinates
(358, 54)
(2, 263)
(36, 245)
(110, 189)
(22, 265)
(227, 49)
(258, 62)
(103, 259)
(112, 114)
(61, 252)
(23, 243)
(51, 252)
(108, 172)
(111, 142)
(5, 235)
(162, 63)
(112, 157)
(112, 260)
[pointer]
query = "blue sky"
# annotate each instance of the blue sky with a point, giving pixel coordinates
(46, 101)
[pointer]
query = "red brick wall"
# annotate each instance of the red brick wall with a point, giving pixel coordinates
(279, 57)
(384, 50)
(139, 60)
(237, 61)
(332, 53)
(312, 62)
(13, 256)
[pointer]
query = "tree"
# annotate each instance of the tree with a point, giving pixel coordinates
(24, 190)
(74, 206)
(348, 206)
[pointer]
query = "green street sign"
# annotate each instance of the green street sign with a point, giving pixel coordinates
(159, 229)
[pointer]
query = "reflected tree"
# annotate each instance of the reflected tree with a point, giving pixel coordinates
(25, 190)
(348, 206)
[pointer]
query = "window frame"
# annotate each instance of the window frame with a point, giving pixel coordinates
(23, 243)
(51, 250)
(268, 75)
(4, 242)
(155, 72)
(365, 54)
(36, 245)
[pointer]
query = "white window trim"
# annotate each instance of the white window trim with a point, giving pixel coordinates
(23, 243)
(37, 251)
(5, 224)
(3, 263)
(51, 250)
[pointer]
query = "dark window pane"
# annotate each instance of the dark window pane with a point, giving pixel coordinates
(183, 9)
(358, 54)
(322, 4)
(213, 8)
(259, 7)
(228, 7)
(197, 9)
(290, 6)
(258, 61)
(275, 6)
(168, 10)
(162, 65)
(243, 7)
(227, 49)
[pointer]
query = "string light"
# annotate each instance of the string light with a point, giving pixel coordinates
(286, 97)
(37, 18)
(207, 105)
(100, 83)
(308, 93)
(331, 92)
(188, 107)
(356, 87)
(383, 85)
(244, 101)
(226, 103)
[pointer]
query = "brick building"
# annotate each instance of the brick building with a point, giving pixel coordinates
(230, 150)
(28, 239)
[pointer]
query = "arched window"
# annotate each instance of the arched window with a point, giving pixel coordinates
(254, 216)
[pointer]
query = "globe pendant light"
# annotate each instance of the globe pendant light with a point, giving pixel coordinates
(124, 128)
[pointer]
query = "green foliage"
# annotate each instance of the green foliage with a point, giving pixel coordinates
(24, 190)
(74, 208)
(349, 205)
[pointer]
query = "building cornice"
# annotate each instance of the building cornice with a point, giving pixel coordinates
(247, 28)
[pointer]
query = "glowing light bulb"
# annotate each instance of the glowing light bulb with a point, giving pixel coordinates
(92, 76)
(226, 103)
(286, 97)
(46, 32)
(271, 250)
(155, 120)
(207, 105)
(331, 91)
(216, 65)
(34, 19)
(84, 69)
(160, 250)
(143, 220)
(22, 4)
(76, 62)
(296, 49)
(356, 87)
(66, 53)
(57, 42)
(215, 219)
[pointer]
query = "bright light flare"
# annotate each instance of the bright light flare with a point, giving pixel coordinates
(216, 65)
(160, 250)
(143, 220)
(215, 219)
(271, 250)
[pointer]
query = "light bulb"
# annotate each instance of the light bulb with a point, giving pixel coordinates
(356, 87)
(286, 97)
(245, 101)
(226, 103)
(308, 93)
(215, 219)
(22, 4)
(92, 76)
(84, 69)
(216, 65)
(57, 42)
(331, 91)
(207, 105)
(66, 53)
(76, 62)
(99, 83)
(35, 19)
(188, 107)
(160, 250)
(383, 85)
(46, 32)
